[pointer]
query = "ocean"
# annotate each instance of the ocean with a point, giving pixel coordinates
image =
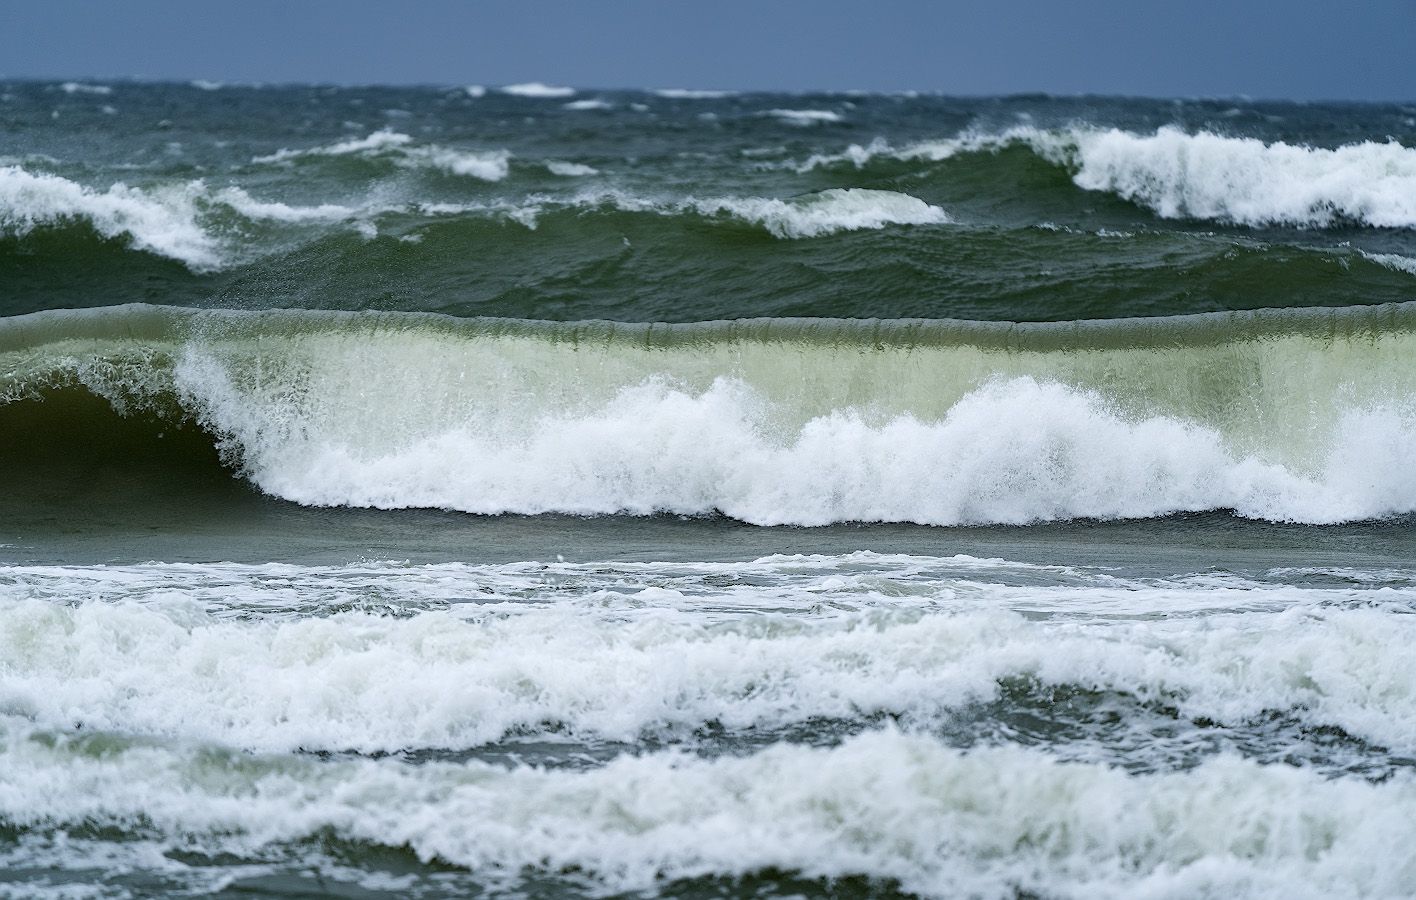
(471, 491)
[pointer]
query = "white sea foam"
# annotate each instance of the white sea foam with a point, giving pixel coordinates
(475, 91)
(805, 116)
(689, 94)
(159, 220)
(452, 656)
(588, 104)
(940, 822)
(570, 169)
(1203, 175)
(538, 89)
(205, 85)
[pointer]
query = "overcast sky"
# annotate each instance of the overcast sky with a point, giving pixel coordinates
(1300, 49)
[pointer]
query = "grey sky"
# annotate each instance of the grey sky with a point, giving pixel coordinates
(1302, 49)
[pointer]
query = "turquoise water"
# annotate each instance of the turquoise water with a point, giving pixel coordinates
(460, 491)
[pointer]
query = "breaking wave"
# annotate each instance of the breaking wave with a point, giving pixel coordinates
(163, 221)
(1288, 415)
(1203, 175)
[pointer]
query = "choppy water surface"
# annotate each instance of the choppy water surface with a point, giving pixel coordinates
(461, 491)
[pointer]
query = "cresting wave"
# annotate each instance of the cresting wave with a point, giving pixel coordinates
(1201, 176)
(1294, 415)
(989, 823)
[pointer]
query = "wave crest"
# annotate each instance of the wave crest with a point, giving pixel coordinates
(1207, 176)
(162, 220)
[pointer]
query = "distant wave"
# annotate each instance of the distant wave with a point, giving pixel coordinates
(1292, 415)
(813, 215)
(688, 94)
(805, 116)
(537, 89)
(589, 104)
(570, 169)
(491, 165)
(1202, 176)
(81, 87)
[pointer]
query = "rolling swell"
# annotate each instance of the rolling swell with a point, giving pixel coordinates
(609, 263)
(1293, 415)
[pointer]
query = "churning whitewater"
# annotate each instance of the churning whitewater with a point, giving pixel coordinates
(545, 491)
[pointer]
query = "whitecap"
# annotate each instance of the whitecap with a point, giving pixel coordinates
(80, 87)
(689, 94)
(537, 89)
(570, 169)
(805, 116)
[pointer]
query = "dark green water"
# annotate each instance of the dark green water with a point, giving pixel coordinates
(457, 492)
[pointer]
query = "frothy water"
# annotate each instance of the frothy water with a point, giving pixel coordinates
(190, 699)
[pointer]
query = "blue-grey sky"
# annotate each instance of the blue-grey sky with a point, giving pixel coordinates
(1299, 49)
